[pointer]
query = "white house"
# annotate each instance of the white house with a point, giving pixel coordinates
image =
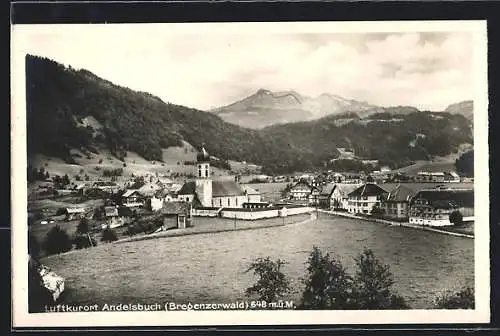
(364, 198)
(301, 191)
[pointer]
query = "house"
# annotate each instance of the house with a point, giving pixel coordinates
(149, 189)
(106, 186)
(301, 191)
(325, 199)
(451, 177)
(397, 203)
(132, 198)
(340, 195)
(176, 215)
(424, 176)
(112, 216)
(74, 213)
(162, 196)
(432, 207)
(365, 197)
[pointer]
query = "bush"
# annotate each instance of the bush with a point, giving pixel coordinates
(57, 241)
(456, 217)
(83, 226)
(272, 283)
(463, 299)
(109, 235)
(327, 285)
(84, 241)
(33, 246)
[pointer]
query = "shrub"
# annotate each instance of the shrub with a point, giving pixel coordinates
(327, 285)
(83, 226)
(84, 241)
(109, 235)
(456, 217)
(463, 299)
(57, 241)
(33, 246)
(272, 283)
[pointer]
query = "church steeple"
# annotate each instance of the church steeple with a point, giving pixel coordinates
(203, 166)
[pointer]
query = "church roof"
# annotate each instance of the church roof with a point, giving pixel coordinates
(188, 188)
(226, 188)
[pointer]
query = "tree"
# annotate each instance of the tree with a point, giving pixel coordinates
(272, 283)
(456, 217)
(83, 226)
(84, 241)
(464, 299)
(38, 295)
(373, 281)
(57, 241)
(327, 284)
(465, 163)
(108, 235)
(33, 246)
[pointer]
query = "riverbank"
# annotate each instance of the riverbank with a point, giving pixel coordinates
(394, 223)
(239, 225)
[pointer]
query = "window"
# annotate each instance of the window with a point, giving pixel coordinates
(206, 171)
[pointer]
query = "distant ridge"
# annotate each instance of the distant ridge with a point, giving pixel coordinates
(264, 108)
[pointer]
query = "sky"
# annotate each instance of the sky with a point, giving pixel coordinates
(201, 69)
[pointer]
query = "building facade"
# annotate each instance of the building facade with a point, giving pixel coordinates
(364, 198)
(396, 204)
(432, 207)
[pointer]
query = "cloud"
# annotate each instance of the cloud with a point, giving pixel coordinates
(204, 70)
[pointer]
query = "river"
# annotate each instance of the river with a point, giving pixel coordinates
(211, 267)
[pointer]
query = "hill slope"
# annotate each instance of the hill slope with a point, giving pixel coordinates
(265, 108)
(74, 109)
(465, 108)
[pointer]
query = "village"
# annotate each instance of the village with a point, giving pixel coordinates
(147, 204)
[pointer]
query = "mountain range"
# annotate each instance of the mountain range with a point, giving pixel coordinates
(265, 108)
(61, 99)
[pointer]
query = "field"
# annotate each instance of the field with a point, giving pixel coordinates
(213, 267)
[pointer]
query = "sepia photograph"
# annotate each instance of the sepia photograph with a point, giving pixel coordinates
(250, 173)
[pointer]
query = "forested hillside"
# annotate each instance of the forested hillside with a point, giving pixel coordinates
(61, 101)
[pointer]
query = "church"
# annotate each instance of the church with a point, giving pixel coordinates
(206, 192)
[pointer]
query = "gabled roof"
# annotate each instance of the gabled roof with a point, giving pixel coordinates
(129, 192)
(368, 189)
(188, 188)
(111, 211)
(460, 197)
(162, 193)
(75, 210)
(400, 193)
(346, 188)
(302, 184)
(328, 189)
(226, 188)
(175, 208)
